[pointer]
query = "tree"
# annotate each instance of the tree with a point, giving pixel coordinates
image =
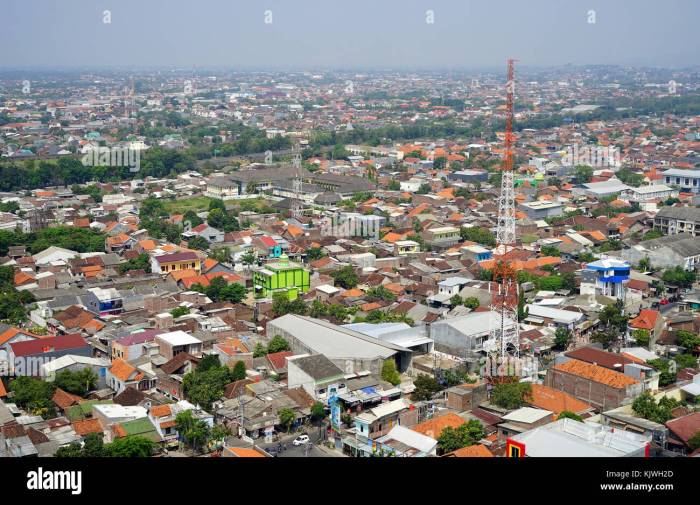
(141, 262)
(510, 395)
(390, 373)
(426, 386)
(380, 293)
(278, 344)
(221, 254)
(346, 277)
(259, 350)
(34, 395)
(198, 242)
(479, 235)
(249, 257)
(562, 339)
(208, 362)
(281, 305)
(567, 414)
(78, 382)
(93, 445)
(287, 417)
(179, 311)
(193, 432)
(472, 302)
(549, 250)
(641, 336)
(687, 339)
(318, 411)
(238, 371)
(584, 173)
(465, 435)
(659, 412)
(455, 300)
(191, 217)
(678, 276)
(203, 387)
(314, 253)
(133, 446)
(667, 369)
(685, 361)
(424, 189)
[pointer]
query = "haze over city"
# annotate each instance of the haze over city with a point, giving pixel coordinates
(363, 34)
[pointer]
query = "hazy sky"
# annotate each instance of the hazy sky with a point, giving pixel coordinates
(347, 34)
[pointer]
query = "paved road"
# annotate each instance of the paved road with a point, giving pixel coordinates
(299, 451)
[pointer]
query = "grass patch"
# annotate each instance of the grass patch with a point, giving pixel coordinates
(195, 203)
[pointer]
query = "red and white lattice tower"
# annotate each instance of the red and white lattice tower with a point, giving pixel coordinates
(504, 339)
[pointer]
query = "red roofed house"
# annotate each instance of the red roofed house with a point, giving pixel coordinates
(27, 357)
(650, 320)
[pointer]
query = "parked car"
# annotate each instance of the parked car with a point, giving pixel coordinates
(301, 440)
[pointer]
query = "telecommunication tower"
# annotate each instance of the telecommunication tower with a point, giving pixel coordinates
(504, 339)
(297, 204)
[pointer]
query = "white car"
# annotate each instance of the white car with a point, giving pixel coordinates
(301, 440)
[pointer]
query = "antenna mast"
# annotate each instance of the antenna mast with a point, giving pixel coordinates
(504, 338)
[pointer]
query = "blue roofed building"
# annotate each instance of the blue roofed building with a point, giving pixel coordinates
(605, 277)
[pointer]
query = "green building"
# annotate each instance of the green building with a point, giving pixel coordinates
(281, 276)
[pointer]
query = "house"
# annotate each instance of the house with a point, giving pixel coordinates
(166, 263)
(569, 438)
(27, 357)
(282, 276)
(675, 220)
(75, 363)
(681, 430)
(208, 233)
(403, 443)
(406, 247)
(133, 346)
(622, 363)
(163, 417)
(122, 375)
(378, 421)
(349, 350)
(173, 343)
(651, 321)
(604, 389)
(434, 427)
(104, 301)
(521, 420)
(687, 180)
(319, 377)
(605, 277)
(555, 401)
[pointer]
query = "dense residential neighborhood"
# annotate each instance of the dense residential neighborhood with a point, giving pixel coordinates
(335, 296)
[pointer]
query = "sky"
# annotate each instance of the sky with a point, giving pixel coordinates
(347, 34)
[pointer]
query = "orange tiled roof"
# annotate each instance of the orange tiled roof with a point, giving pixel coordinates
(124, 371)
(245, 452)
(22, 278)
(646, 320)
(596, 373)
(556, 401)
(433, 427)
(86, 426)
(472, 451)
(161, 411)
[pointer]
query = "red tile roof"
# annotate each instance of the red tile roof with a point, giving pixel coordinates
(39, 346)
